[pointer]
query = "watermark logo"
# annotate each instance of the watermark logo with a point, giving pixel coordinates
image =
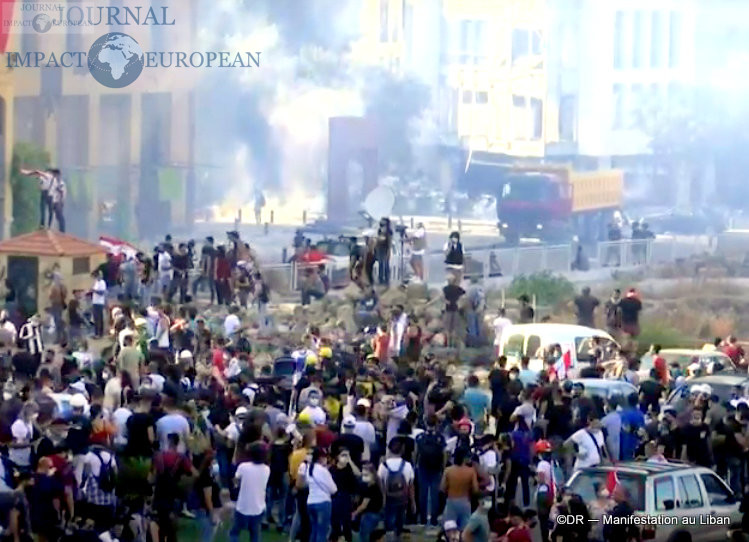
(42, 23)
(115, 60)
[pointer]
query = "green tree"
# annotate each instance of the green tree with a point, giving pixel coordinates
(395, 102)
(25, 189)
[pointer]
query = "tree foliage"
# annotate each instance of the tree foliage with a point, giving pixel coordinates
(25, 189)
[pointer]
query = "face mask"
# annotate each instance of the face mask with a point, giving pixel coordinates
(314, 402)
(34, 417)
(366, 478)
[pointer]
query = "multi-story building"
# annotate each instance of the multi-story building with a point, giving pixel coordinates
(126, 153)
(554, 79)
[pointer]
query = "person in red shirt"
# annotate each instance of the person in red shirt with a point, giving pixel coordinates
(734, 351)
(519, 531)
(660, 365)
(380, 343)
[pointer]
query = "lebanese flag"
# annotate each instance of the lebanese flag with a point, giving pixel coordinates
(7, 15)
(118, 246)
(563, 365)
(612, 480)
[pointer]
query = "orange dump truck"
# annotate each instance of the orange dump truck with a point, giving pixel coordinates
(555, 202)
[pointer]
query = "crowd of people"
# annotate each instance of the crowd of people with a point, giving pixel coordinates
(154, 411)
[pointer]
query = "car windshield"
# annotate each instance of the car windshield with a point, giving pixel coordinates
(333, 248)
(529, 188)
(588, 483)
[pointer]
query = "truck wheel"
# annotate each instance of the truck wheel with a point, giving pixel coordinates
(511, 237)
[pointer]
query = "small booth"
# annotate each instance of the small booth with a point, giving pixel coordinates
(27, 262)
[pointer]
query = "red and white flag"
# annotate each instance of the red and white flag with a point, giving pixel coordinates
(612, 480)
(118, 246)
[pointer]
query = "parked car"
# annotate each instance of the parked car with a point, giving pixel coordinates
(529, 339)
(685, 357)
(675, 490)
(723, 385)
(604, 388)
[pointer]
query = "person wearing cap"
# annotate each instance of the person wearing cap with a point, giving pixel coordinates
(350, 441)
(450, 532)
(546, 486)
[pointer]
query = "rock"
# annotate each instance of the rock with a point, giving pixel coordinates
(416, 291)
(345, 315)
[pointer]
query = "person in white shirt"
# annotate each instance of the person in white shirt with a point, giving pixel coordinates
(316, 476)
(590, 444)
(22, 431)
(59, 192)
(98, 302)
(314, 410)
(173, 422)
(46, 180)
(500, 323)
(9, 327)
(231, 323)
(166, 271)
(364, 428)
(396, 467)
(418, 240)
(252, 478)
(119, 418)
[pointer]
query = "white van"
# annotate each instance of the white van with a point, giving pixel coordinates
(529, 339)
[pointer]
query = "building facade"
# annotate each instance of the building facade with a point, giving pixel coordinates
(555, 79)
(126, 153)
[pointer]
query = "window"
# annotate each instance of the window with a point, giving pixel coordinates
(537, 116)
(619, 40)
(520, 44)
(534, 343)
(618, 119)
(656, 40)
(384, 30)
(482, 97)
(518, 101)
(717, 492)
(81, 266)
(635, 106)
(638, 39)
(586, 483)
(467, 96)
(674, 46)
(689, 492)
(514, 346)
(665, 495)
(567, 118)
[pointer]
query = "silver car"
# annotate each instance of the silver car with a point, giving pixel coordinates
(698, 506)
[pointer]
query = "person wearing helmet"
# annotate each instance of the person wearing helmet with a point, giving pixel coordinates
(546, 488)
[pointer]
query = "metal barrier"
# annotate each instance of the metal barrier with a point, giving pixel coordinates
(633, 252)
(507, 262)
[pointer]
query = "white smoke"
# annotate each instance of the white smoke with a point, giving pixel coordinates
(295, 100)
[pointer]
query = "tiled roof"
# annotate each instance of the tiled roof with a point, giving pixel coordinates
(49, 243)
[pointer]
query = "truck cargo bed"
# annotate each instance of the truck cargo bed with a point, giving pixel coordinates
(596, 190)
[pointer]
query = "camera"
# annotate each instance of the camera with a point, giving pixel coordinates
(401, 229)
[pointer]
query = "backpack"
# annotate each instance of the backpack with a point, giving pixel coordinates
(431, 449)
(107, 479)
(396, 487)
(198, 442)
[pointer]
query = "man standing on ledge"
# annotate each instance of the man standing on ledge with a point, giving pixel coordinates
(47, 180)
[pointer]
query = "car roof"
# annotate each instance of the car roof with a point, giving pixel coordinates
(592, 382)
(561, 329)
(692, 352)
(642, 468)
(725, 379)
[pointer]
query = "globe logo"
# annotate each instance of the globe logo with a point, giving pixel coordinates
(41, 23)
(115, 60)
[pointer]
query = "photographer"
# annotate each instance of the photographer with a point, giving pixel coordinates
(382, 251)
